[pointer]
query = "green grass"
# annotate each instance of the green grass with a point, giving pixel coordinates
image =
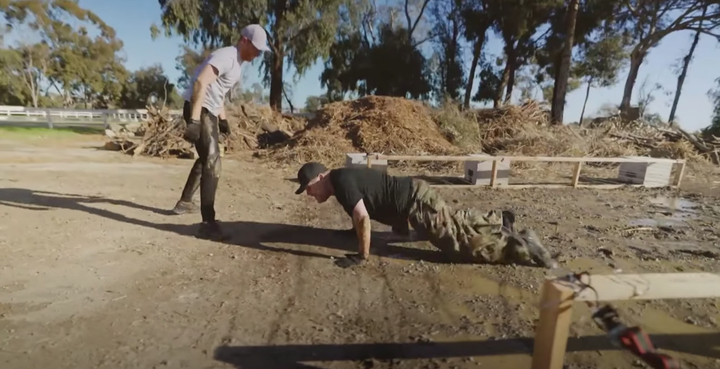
(47, 132)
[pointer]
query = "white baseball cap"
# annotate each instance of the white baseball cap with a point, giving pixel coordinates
(257, 35)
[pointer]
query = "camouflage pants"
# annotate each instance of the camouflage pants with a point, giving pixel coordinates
(468, 235)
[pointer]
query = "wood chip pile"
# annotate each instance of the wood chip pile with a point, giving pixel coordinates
(375, 124)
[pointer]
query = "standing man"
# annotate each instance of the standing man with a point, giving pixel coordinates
(204, 114)
(466, 235)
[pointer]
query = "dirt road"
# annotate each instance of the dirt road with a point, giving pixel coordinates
(96, 274)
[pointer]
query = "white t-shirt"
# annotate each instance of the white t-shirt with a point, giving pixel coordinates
(227, 62)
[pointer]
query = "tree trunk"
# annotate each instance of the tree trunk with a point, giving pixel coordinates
(509, 54)
(587, 95)
(681, 77)
(276, 78)
(497, 101)
(477, 50)
(636, 59)
(510, 80)
(560, 88)
(278, 56)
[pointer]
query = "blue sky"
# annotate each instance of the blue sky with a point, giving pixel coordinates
(132, 20)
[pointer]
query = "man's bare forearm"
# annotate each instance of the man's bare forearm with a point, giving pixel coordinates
(362, 229)
(198, 95)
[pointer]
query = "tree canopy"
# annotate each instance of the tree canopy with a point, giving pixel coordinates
(434, 50)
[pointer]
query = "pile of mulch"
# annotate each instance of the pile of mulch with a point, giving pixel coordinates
(371, 124)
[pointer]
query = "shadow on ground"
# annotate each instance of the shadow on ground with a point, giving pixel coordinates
(293, 356)
(255, 235)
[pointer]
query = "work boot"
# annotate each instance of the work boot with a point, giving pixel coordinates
(211, 231)
(539, 254)
(508, 219)
(184, 207)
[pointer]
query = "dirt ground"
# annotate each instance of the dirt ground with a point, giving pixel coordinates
(95, 273)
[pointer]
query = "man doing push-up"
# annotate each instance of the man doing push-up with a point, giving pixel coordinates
(466, 235)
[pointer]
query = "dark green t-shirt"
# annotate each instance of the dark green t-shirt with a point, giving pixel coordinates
(387, 198)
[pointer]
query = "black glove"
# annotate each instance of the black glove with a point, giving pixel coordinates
(192, 131)
(350, 260)
(224, 126)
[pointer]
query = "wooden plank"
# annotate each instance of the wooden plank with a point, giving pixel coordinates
(679, 175)
(524, 158)
(493, 175)
(650, 286)
(576, 176)
(553, 329)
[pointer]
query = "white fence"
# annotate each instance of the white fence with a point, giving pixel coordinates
(21, 115)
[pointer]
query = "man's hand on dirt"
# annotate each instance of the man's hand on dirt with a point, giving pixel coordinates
(351, 260)
(192, 131)
(224, 126)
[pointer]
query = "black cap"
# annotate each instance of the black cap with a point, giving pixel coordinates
(307, 173)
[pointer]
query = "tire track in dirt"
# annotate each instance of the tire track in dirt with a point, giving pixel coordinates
(391, 296)
(297, 288)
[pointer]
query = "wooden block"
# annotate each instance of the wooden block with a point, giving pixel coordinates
(648, 174)
(480, 172)
(359, 160)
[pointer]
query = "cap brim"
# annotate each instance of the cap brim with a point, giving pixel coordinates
(261, 47)
(301, 189)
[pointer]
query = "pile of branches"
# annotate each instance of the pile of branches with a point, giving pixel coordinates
(251, 127)
(665, 141)
(161, 136)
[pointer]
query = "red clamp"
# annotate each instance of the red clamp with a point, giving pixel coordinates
(638, 342)
(633, 339)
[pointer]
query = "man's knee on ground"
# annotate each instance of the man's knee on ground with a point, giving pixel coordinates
(516, 252)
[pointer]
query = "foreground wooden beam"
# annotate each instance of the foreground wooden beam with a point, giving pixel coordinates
(558, 296)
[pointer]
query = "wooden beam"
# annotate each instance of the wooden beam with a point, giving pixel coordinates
(576, 176)
(553, 329)
(650, 286)
(558, 295)
(679, 175)
(495, 159)
(493, 178)
(523, 158)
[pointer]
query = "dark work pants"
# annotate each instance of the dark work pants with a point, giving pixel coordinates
(206, 170)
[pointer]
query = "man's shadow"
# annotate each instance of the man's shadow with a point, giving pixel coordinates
(254, 235)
